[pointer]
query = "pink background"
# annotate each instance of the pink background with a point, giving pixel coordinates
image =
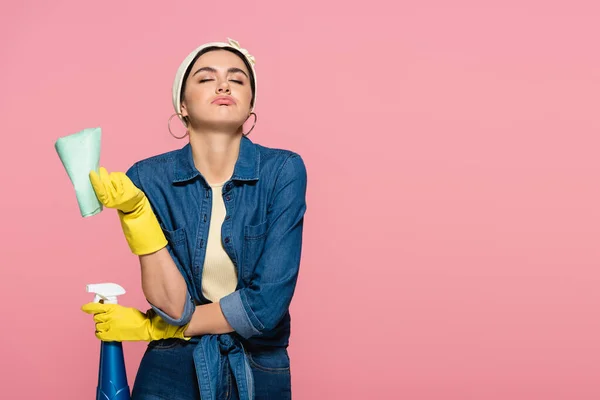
(451, 238)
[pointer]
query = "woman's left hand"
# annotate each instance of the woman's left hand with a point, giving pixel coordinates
(115, 323)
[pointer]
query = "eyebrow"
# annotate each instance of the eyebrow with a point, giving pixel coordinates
(231, 70)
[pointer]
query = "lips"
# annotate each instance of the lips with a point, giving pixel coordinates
(223, 100)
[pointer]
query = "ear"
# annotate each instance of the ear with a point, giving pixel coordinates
(184, 109)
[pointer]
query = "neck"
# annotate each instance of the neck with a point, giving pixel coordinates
(215, 153)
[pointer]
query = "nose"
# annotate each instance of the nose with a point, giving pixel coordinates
(223, 87)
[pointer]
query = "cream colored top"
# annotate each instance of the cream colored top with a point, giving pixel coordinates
(219, 276)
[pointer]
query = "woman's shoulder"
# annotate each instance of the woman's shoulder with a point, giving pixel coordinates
(276, 157)
(158, 160)
(282, 165)
(156, 167)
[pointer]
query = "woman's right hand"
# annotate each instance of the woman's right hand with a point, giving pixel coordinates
(116, 190)
(140, 225)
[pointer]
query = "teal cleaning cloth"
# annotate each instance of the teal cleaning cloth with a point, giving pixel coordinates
(80, 154)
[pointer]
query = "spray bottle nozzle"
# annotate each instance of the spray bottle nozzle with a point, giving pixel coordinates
(107, 292)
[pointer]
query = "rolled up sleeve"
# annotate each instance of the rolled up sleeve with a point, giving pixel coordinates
(186, 316)
(261, 305)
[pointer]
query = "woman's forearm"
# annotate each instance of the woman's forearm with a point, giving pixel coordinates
(208, 319)
(162, 283)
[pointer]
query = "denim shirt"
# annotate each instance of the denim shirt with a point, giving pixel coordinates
(265, 202)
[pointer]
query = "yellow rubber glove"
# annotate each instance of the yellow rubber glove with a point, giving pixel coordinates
(115, 323)
(140, 226)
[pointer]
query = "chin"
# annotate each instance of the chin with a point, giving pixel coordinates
(219, 117)
(221, 121)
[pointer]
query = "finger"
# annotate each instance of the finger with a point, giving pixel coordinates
(96, 308)
(104, 336)
(102, 327)
(102, 189)
(97, 184)
(118, 184)
(105, 177)
(110, 185)
(93, 308)
(94, 177)
(101, 317)
(103, 174)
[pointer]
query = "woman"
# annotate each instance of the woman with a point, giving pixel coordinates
(217, 226)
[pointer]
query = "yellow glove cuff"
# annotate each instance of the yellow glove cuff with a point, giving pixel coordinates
(160, 329)
(142, 230)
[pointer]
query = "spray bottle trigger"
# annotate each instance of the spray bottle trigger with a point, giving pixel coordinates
(98, 298)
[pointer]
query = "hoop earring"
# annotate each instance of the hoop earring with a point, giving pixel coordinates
(255, 119)
(169, 126)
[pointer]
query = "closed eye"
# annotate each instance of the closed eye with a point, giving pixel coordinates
(232, 80)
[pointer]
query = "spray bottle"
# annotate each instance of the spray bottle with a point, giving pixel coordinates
(112, 378)
(80, 153)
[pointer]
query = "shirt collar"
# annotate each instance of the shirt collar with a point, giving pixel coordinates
(246, 167)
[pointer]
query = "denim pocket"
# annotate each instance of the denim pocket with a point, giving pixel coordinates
(272, 360)
(254, 232)
(178, 248)
(175, 237)
(254, 243)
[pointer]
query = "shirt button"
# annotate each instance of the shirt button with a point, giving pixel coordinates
(228, 186)
(204, 217)
(227, 217)
(228, 198)
(227, 240)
